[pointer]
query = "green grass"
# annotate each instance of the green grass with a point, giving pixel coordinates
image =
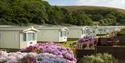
(69, 44)
(75, 8)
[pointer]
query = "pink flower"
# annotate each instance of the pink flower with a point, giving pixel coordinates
(55, 49)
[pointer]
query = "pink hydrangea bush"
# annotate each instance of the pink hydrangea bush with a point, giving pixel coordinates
(52, 48)
(86, 42)
(31, 57)
(39, 53)
(12, 57)
(87, 39)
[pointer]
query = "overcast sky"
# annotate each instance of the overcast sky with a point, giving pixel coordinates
(107, 3)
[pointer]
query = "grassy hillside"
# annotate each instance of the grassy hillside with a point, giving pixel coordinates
(84, 8)
(103, 15)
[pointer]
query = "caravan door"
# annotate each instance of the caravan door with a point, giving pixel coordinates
(31, 38)
(63, 35)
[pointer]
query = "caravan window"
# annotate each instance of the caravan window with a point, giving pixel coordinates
(24, 36)
(29, 36)
(83, 32)
(63, 34)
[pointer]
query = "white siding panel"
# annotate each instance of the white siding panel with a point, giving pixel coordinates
(48, 35)
(23, 43)
(9, 39)
(75, 33)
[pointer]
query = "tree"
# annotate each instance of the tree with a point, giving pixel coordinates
(71, 18)
(83, 19)
(24, 12)
(107, 21)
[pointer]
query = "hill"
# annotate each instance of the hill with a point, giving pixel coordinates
(100, 14)
(27, 12)
(75, 8)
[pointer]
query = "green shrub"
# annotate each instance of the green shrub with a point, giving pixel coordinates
(121, 33)
(101, 34)
(98, 58)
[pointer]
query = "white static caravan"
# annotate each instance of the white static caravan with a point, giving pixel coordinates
(103, 30)
(89, 31)
(13, 37)
(52, 34)
(108, 29)
(80, 31)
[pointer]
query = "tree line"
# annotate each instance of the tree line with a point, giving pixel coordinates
(26, 12)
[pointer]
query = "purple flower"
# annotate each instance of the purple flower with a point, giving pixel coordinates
(55, 49)
(87, 39)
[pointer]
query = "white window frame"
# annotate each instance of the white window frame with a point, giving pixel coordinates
(26, 36)
(63, 33)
